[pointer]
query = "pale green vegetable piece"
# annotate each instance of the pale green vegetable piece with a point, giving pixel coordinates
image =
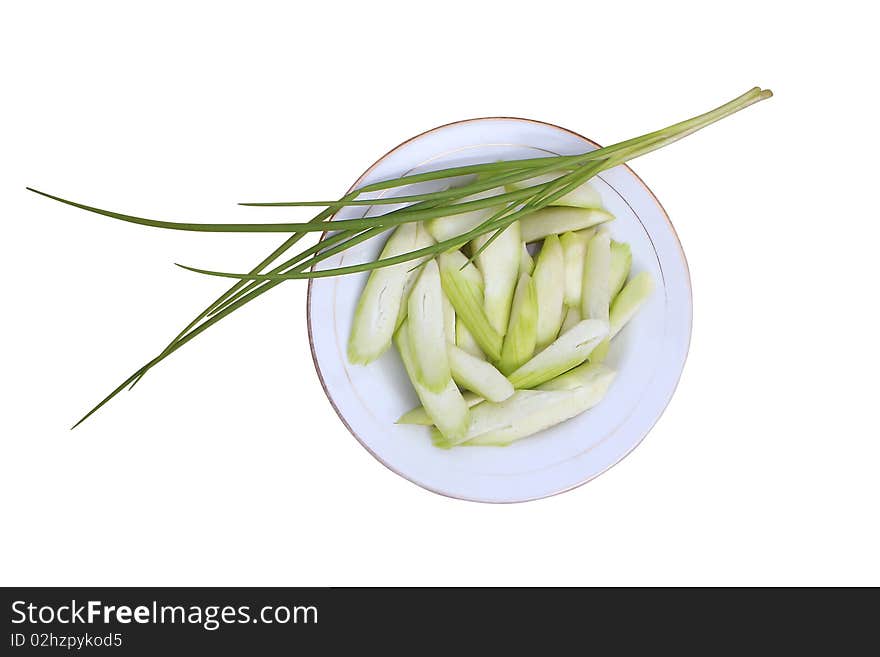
(631, 298)
(465, 340)
(476, 375)
(621, 261)
(587, 233)
(579, 376)
(444, 228)
(601, 351)
(447, 408)
(499, 264)
(553, 221)
(404, 305)
(463, 337)
(466, 296)
(487, 418)
(572, 317)
(584, 196)
(448, 320)
(529, 411)
(597, 277)
(549, 280)
(467, 268)
(379, 307)
(427, 337)
(574, 249)
(419, 415)
(548, 412)
(522, 331)
(526, 263)
(570, 350)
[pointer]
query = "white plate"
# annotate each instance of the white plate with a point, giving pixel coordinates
(648, 354)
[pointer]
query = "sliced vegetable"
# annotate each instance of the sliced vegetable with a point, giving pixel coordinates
(522, 331)
(529, 411)
(582, 375)
(524, 407)
(448, 320)
(427, 337)
(378, 308)
(599, 354)
(572, 317)
(570, 350)
(550, 288)
(444, 228)
(631, 298)
(549, 411)
(587, 233)
(621, 261)
(579, 376)
(526, 263)
(574, 250)
(585, 196)
(419, 415)
(597, 277)
(499, 264)
(464, 339)
(466, 295)
(476, 375)
(407, 289)
(447, 408)
(553, 221)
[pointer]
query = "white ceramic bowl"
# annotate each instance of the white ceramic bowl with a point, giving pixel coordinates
(649, 353)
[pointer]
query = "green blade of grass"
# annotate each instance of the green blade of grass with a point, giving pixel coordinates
(393, 218)
(230, 293)
(453, 193)
(236, 296)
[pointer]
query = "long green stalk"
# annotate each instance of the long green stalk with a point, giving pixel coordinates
(427, 206)
(434, 249)
(487, 183)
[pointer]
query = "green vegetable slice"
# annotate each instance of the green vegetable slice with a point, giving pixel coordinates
(584, 196)
(526, 263)
(419, 415)
(464, 339)
(582, 375)
(572, 317)
(476, 375)
(599, 354)
(631, 298)
(444, 228)
(499, 263)
(574, 250)
(579, 376)
(597, 278)
(527, 412)
(570, 350)
(522, 330)
(447, 409)
(553, 221)
(549, 411)
(427, 337)
(466, 296)
(621, 261)
(449, 320)
(404, 305)
(550, 289)
(379, 307)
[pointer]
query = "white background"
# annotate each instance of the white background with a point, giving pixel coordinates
(227, 465)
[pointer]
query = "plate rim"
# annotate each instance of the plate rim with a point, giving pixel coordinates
(588, 479)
